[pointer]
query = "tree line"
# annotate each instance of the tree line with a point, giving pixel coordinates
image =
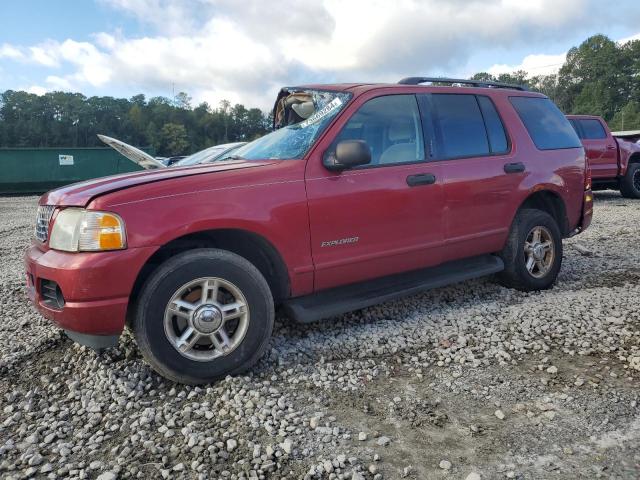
(161, 125)
(599, 77)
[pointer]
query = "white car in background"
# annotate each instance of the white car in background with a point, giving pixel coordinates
(207, 155)
(149, 162)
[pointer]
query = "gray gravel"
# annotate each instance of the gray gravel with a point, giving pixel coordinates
(470, 381)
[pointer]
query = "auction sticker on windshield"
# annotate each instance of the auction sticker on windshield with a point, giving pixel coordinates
(335, 104)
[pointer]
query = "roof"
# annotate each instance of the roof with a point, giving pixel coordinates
(334, 87)
(435, 82)
(359, 88)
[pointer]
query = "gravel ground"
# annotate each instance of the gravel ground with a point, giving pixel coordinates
(472, 381)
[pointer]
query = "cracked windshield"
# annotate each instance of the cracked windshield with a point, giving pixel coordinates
(300, 118)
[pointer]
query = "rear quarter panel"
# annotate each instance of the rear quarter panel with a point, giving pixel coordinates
(561, 171)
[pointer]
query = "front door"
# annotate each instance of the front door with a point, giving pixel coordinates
(382, 218)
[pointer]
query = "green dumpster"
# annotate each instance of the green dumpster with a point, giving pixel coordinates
(36, 170)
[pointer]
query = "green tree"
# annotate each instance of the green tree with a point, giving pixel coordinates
(172, 140)
(518, 77)
(483, 76)
(595, 99)
(547, 84)
(592, 78)
(256, 124)
(631, 73)
(70, 119)
(183, 100)
(599, 77)
(626, 118)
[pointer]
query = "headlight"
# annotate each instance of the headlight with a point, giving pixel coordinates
(80, 230)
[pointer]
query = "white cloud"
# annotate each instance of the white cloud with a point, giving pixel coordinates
(9, 51)
(542, 64)
(629, 39)
(36, 89)
(539, 64)
(244, 51)
(93, 65)
(44, 55)
(168, 16)
(59, 83)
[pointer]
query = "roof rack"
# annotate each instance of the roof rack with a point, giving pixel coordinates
(475, 83)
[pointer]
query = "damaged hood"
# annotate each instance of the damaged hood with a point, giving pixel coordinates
(80, 194)
(134, 154)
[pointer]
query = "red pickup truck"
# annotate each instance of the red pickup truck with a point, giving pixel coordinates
(615, 163)
(362, 193)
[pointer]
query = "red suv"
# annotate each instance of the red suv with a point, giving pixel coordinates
(362, 193)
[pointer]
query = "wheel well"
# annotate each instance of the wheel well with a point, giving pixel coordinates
(635, 158)
(249, 245)
(551, 203)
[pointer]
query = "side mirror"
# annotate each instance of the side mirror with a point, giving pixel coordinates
(348, 154)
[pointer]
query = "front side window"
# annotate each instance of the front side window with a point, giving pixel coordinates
(391, 127)
(459, 127)
(592, 129)
(548, 127)
(294, 140)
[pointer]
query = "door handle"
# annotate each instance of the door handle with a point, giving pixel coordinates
(421, 179)
(517, 167)
(611, 147)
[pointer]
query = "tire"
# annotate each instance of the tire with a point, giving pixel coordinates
(516, 274)
(228, 333)
(630, 183)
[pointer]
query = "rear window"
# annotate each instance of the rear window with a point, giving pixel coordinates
(548, 127)
(459, 126)
(592, 129)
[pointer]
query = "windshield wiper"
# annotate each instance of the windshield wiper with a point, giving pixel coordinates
(234, 157)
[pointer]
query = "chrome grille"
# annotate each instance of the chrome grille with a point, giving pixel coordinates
(42, 221)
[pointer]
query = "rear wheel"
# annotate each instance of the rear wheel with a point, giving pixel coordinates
(533, 253)
(203, 315)
(630, 183)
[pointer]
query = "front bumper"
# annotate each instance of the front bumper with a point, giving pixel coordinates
(95, 286)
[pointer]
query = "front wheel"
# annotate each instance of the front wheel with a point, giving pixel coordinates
(533, 253)
(203, 315)
(630, 183)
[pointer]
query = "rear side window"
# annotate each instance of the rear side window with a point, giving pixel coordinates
(592, 129)
(459, 126)
(548, 127)
(495, 130)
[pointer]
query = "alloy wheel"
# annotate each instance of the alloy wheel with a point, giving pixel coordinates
(206, 318)
(539, 251)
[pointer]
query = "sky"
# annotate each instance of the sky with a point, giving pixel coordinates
(245, 50)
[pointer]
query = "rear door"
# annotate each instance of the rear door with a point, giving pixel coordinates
(473, 151)
(600, 147)
(382, 218)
